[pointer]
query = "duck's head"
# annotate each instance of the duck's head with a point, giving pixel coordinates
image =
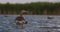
(24, 12)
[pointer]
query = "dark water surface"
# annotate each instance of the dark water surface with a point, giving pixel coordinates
(7, 24)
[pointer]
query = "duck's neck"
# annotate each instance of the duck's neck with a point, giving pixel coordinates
(21, 15)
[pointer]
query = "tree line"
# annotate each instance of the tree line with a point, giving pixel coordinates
(34, 6)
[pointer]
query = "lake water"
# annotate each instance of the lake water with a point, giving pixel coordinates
(7, 24)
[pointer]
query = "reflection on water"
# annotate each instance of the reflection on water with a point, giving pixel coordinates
(7, 24)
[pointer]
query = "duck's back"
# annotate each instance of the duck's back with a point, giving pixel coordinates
(19, 18)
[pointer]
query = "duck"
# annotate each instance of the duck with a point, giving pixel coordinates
(20, 20)
(49, 17)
